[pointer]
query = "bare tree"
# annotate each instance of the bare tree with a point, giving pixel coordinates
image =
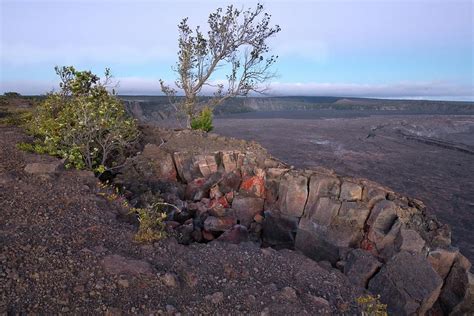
(236, 43)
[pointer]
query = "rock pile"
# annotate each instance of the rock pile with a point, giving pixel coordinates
(382, 241)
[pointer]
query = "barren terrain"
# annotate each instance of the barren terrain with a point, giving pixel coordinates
(430, 157)
(65, 250)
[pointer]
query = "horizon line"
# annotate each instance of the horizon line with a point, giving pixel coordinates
(398, 98)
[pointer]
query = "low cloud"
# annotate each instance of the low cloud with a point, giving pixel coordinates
(393, 90)
(413, 90)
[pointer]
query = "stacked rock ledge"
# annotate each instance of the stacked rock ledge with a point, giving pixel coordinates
(382, 241)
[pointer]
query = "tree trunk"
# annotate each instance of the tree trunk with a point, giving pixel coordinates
(188, 121)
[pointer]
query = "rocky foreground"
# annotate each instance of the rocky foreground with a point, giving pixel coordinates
(65, 248)
(381, 240)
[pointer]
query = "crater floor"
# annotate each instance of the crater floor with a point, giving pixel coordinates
(429, 157)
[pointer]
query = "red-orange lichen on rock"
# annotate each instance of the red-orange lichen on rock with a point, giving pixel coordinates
(253, 185)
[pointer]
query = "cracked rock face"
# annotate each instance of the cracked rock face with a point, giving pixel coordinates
(360, 267)
(408, 284)
(293, 194)
(381, 240)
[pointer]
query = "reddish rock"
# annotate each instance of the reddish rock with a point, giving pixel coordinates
(215, 193)
(246, 207)
(195, 190)
(229, 196)
(206, 235)
(254, 186)
(258, 218)
(235, 235)
(229, 161)
(218, 207)
(230, 182)
(219, 224)
(250, 165)
(206, 164)
(161, 162)
(221, 201)
(185, 166)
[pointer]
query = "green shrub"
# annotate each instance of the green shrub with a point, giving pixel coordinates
(152, 227)
(371, 306)
(83, 123)
(203, 121)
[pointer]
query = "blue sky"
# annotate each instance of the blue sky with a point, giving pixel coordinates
(402, 49)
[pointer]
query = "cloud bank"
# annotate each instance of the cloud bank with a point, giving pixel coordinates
(412, 90)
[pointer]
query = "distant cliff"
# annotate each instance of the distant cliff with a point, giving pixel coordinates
(152, 108)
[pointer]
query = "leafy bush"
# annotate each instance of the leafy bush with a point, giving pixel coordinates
(84, 123)
(203, 121)
(152, 227)
(371, 306)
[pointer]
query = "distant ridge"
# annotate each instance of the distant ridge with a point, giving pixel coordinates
(158, 107)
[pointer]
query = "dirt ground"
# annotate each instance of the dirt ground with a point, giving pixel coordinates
(64, 250)
(430, 164)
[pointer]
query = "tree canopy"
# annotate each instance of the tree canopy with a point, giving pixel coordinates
(236, 43)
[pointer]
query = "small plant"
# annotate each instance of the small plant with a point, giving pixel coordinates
(203, 121)
(151, 218)
(371, 306)
(151, 227)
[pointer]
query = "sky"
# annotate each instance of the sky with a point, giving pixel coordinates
(419, 49)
